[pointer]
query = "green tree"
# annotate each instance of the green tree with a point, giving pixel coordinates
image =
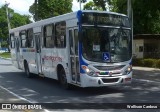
(4, 44)
(146, 15)
(50, 8)
(16, 21)
(91, 6)
(97, 5)
(102, 3)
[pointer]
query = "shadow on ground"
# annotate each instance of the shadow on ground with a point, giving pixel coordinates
(153, 75)
(47, 90)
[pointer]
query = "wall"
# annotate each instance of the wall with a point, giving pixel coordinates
(138, 48)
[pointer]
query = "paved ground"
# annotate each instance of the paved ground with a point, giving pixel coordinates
(144, 73)
(45, 90)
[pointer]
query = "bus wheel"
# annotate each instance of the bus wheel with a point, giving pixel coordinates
(63, 79)
(28, 74)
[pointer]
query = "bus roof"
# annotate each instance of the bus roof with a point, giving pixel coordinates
(63, 17)
(96, 11)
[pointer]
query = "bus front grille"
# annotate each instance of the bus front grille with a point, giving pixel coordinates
(111, 80)
(107, 68)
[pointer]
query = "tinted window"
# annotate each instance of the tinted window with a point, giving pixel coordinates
(76, 41)
(12, 44)
(23, 37)
(61, 34)
(71, 42)
(30, 38)
(49, 36)
(104, 19)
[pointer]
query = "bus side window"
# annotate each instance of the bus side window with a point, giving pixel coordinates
(30, 41)
(60, 34)
(76, 41)
(12, 43)
(71, 42)
(23, 37)
(48, 32)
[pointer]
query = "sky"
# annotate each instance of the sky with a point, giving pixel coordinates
(22, 6)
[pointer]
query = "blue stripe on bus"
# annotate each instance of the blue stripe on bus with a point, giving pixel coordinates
(24, 50)
(82, 62)
(79, 14)
(130, 63)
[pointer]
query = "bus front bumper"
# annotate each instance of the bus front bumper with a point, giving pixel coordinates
(89, 81)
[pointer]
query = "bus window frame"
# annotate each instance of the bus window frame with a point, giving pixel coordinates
(65, 36)
(12, 41)
(26, 44)
(45, 35)
(27, 38)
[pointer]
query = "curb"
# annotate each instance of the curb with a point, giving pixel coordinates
(5, 58)
(145, 68)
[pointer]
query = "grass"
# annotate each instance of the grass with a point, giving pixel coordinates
(5, 55)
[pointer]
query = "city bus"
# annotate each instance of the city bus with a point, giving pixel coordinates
(82, 48)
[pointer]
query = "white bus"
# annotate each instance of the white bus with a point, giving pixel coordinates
(83, 48)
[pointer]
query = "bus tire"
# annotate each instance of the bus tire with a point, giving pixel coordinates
(63, 79)
(27, 72)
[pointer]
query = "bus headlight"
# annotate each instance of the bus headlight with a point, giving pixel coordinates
(89, 71)
(127, 70)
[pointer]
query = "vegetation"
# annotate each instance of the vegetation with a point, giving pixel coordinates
(4, 44)
(5, 55)
(155, 63)
(97, 5)
(145, 12)
(101, 3)
(49, 8)
(16, 20)
(91, 6)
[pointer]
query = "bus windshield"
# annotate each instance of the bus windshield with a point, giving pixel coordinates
(116, 42)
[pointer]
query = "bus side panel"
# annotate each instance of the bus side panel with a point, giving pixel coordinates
(62, 59)
(28, 54)
(51, 58)
(46, 61)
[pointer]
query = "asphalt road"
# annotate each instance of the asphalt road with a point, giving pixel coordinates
(44, 90)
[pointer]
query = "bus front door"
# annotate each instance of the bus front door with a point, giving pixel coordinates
(74, 59)
(38, 52)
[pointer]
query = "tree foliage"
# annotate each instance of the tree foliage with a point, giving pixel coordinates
(16, 21)
(97, 5)
(91, 6)
(50, 8)
(101, 3)
(146, 15)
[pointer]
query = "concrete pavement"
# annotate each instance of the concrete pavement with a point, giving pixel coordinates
(9, 97)
(138, 73)
(145, 68)
(146, 74)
